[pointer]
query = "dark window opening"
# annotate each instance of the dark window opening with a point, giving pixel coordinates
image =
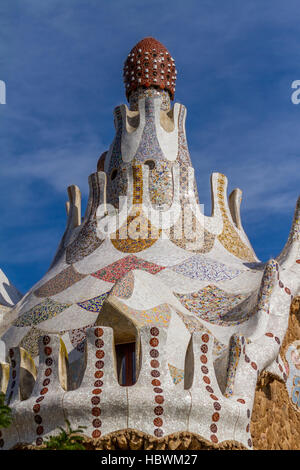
(126, 363)
(150, 164)
(114, 174)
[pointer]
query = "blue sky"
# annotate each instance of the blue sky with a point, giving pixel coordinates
(62, 64)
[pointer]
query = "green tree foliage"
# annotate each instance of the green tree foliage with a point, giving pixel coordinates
(5, 413)
(67, 439)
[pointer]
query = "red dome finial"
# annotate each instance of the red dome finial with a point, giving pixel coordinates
(149, 63)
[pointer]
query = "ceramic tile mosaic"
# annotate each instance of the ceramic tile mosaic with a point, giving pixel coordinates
(183, 152)
(130, 245)
(198, 267)
(41, 312)
(149, 63)
(229, 237)
(217, 417)
(191, 322)
(117, 185)
(192, 236)
(161, 184)
(149, 147)
(78, 337)
(102, 405)
(95, 304)
(151, 93)
(85, 243)
(60, 282)
(137, 233)
(30, 342)
(124, 287)
(293, 379)
(95, 196)
(167, 406)
(115, 271)
(158, 316)
(214, 305)
(176, 374)
(204, 329)
(115, 155)
(235, 348)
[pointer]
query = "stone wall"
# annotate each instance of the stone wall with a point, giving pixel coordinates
(275, 421)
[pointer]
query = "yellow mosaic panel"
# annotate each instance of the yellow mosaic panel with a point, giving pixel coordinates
(137, 233)
(158, 316)
(229, 237)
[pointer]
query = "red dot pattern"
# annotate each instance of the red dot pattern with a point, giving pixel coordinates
(158, 398)
(271, 335)
(37, 407)
(12, 384)
(98, 374)
(248, 428)
(100, 354)
(286, 289)
(46, 340)
(154, 342)
(216, 405)
(281, 369)
(252, 364)
(48, 351)
(149, 64)
(154, 363)
(155, 383)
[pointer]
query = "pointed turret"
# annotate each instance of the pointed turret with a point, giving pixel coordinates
(9, 294)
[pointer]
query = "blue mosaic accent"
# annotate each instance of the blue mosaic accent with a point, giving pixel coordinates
(204, 269)
(95, 304)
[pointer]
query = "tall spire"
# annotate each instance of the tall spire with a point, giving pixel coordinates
(9, 295)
